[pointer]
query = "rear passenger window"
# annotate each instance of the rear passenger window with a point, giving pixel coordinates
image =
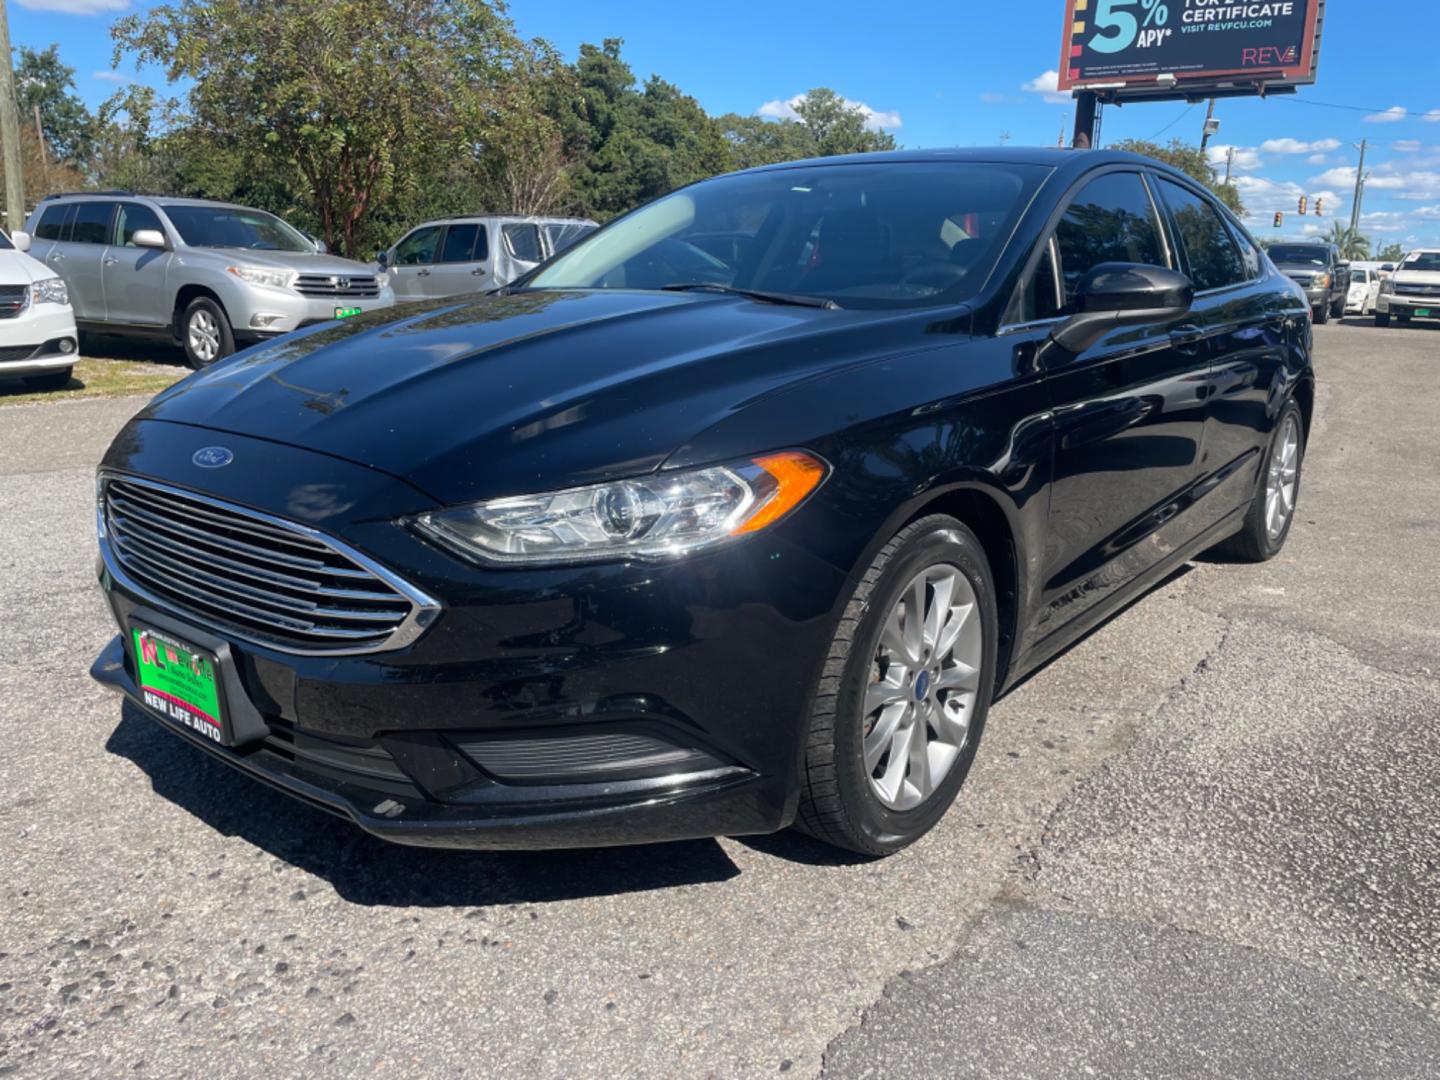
(1211, 253)
(52, 222)
(459, 243)
(1111, 220)
(523, 242)
(92, 223)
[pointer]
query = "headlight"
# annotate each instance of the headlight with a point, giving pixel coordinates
(261, 275)
(651, 517)
(1323, 281)
(1387, 285)
(50, 290)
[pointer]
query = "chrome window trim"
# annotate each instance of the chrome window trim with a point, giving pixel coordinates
(424, 608)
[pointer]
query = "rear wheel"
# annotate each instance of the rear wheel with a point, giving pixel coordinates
(904, 694)
(1322, 314)
(205, 333)
(1277, 489)
(51, 380)
(1337, 309)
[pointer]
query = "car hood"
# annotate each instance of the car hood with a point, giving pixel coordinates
(17, 268)
(306, 262)
(475, 398)
(1416, 277)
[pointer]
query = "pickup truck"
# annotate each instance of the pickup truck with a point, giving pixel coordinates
(1320, 270)
(1412, 291)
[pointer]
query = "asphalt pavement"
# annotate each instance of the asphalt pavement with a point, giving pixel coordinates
(1203, 842)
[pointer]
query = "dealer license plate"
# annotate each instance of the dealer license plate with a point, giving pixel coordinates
(346, 312)
(180, 682)
(1423, 312)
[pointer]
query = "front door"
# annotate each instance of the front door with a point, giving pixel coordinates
(414, 262)
(1129, 413)
(134, 276)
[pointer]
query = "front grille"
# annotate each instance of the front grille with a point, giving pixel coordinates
(354, 761)
(1417, 290)
(254, 575)
(338, 286)
(16, 352)
(13, 300)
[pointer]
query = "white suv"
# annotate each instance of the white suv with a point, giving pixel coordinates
(1412, 291)
(38, 342)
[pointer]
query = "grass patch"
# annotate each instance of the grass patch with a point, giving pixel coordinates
(98, 378)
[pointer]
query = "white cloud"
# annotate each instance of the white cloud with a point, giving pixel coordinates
(1407, 146)
(1340, 176)
(1392, 115)
(75, 7)
(1432, 117)
(118, 77)
(1247, 159)
(875, 119)
(1295, 146)
(1047, 84)
(1317, 159)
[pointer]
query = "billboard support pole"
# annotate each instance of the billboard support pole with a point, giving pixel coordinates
(1085, 107)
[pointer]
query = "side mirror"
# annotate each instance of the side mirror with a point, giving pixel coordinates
(382, 259)
(1123, 294)
(149, 238)
(321, 247)
(20, 239)
(1385, 268)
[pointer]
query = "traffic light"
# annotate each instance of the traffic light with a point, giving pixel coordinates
(1279, 219)
(1304, 202)
(1319, 206)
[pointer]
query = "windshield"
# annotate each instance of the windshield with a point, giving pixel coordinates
(5, 244)
(1427, 261)
(1299, 254)
(566, 234)
(1359, 277)
(867, 235)
(235, 227)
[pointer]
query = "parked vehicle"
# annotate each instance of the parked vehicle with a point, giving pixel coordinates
(1412, 291)
(475, 253)
(211, 275)
(38, 342)
(618, 554)
(1364, 290)
(1320, 270)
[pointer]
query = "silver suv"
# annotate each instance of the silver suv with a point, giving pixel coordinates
(208, 274)
(475, 252)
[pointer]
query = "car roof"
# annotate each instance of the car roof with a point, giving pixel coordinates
(547, 219)
(167, 200)
(1058, 158)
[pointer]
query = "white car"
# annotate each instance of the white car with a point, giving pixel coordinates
(38, 342)
(1412, 291)
(1364, 290)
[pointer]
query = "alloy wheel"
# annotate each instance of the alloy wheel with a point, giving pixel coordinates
(1282, 479)
(924, 681)
(204, 336)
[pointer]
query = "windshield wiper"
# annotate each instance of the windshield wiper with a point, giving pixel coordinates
(753, 294)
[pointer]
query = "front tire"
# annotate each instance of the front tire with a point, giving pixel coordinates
(1277, 490)
(1382, 318)
(904, 693)
(205, 333)
(1322, 315)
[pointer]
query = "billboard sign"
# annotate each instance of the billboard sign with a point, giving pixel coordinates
(1120, 44)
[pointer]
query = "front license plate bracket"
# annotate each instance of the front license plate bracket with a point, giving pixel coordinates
(245, 723)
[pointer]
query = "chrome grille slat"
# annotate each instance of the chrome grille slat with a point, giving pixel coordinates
(140, 520)
(257, 576)
(356, 286)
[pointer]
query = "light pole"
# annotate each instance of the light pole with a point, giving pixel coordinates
(10, 130)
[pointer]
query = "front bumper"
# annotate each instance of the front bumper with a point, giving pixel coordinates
(1395, 303)
(717, 655)
(34, 340)
(261, 313)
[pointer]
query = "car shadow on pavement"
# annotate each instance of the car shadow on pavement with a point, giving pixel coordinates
(366, 870)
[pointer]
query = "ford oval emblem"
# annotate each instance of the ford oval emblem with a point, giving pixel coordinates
(212, 457)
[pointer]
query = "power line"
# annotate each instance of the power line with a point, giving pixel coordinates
(1417, 114)
(1172, 123)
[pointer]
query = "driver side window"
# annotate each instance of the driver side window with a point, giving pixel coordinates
(1111, 219)
(418, 249)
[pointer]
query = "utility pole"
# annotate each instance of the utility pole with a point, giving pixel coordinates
(1086, 102)
(1360, 179)
(1209, 128)
(1229, 164)
(10, 130)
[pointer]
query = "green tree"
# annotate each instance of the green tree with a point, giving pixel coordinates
(837, 126)
(42, 81)
(756, 141)
(358, 100)
(1352, 244)
(1391, 253)
(1189, 160)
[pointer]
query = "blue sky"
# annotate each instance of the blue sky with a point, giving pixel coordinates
(971, 72)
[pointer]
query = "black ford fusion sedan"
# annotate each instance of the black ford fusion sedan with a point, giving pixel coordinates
(738, 514)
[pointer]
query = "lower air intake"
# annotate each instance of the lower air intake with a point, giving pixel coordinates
(582, 757)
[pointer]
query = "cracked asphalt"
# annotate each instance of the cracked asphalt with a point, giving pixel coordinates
(1203, 842)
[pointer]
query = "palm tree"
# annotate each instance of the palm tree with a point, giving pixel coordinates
(1351, 243)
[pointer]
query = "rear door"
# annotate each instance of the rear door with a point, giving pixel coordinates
(134, 277)
(460, 267)
(1243, 316)
(79, 254)
(414, 263)
(1129, 412)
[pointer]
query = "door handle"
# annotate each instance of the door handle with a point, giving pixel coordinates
(480, 272)
(110, 260)
(57, 255)
(1187, 339)
(423, 273)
